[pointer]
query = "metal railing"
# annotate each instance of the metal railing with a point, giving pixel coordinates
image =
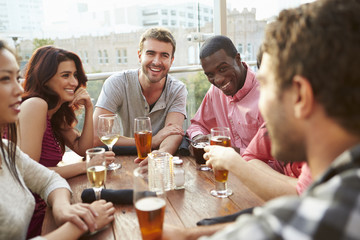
(180, 69)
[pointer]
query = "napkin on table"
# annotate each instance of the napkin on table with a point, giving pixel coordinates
(122, 196)
(223, 219)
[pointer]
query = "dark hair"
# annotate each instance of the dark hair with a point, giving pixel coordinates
(215, 43)
(160, 34)
(42, 66)
(8, 132)
(259, 56)
(321, 42)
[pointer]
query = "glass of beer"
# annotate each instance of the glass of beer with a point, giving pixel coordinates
(198, 143)
(149, 205)
(221, 136)
(143, 136)
(109, 133)
(96, 169)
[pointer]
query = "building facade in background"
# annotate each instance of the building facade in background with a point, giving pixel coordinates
(118, 51)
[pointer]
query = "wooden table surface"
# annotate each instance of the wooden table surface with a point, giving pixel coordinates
(184, 207)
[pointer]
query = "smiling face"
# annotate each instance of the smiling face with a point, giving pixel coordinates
(156, 59)
(224, 72)
(277, 109)
(10, 88)
(65, 81)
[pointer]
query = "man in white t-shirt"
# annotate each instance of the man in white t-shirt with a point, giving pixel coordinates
(148, 91)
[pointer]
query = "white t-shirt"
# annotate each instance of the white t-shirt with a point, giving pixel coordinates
(121, 93)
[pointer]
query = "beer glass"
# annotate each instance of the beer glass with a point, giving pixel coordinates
(220, 136)
(198, 143)
(143, 136)
(96, 169)
(149, 205)
(109, 133)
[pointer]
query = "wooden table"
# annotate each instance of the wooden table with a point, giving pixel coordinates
(184, 207)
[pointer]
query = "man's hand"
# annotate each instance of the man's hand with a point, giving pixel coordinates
(169, 129)
(169, 231)
(220, 157)
(143, 162)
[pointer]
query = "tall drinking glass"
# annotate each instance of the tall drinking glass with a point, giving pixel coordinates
(149, 205)
(96, 169)
(221, 136)
(198, 144)
(143, 136)
(109, 132)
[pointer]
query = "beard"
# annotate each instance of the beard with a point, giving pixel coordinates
(287, 144)
(153, 79)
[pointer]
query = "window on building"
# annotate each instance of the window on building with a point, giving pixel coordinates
(173, 13)
(173, 22)
(164, 22)
(164, 12)
(190, 15)
(240, 48)
(85, 57)
(124, 54)
(100, 57)
(106, 58)
(121, 56)
(249, 51)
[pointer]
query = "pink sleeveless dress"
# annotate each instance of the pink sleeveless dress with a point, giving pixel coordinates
(51, 155)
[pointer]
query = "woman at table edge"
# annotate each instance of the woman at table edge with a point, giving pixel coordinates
(54, 86)
(17, 171)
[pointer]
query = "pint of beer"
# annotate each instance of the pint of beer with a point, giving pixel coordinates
(150, 212)
(143, 143)
(220, 136)
(221, 175)
(149, 205)
(143, 136)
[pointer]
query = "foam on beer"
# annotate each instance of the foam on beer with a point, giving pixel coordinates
(150, 204)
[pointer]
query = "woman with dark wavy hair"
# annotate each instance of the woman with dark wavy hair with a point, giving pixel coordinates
(54, 87)
(19, 174)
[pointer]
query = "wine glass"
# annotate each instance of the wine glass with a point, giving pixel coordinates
(221, 136)
(143, 136)
(96, 169)
(149, 205)
(109, 133)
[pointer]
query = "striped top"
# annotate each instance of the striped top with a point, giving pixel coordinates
(51, 153)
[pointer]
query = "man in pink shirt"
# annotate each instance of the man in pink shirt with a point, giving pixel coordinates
(296, 176)
(232, 100)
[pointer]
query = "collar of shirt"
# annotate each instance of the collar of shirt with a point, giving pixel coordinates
(248, 85)
(347, 160)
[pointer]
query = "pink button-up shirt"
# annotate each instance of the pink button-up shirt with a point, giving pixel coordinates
(240, 113)
(260, 148)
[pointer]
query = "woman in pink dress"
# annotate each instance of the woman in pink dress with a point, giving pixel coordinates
(54, 87)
